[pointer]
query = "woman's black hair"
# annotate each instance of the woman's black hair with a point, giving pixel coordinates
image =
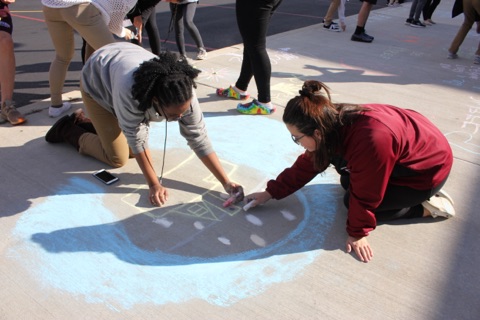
(169, 80)
(314, 110)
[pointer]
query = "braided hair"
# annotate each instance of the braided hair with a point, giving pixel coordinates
(314, 110)
(165, 78)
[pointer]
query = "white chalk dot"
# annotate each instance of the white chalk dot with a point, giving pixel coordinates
(288, 215)
(163, 222)
(224, 240)
(254, 220)
(258, 240)
(198, 225)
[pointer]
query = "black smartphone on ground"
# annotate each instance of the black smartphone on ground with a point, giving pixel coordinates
(105, 176)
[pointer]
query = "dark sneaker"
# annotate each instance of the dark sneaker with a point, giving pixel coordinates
(362, 37)
(11, 114)
(55, 134)
(417, 24)
(408, 21)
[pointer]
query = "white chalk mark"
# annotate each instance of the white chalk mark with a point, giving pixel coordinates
(288, 215)
(198, 225)
(259, 241)
(224, 240)
(163, 222)
(254, 220)
(248, 205)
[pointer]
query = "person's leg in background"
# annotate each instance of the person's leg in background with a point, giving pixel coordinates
(417, 7)
(62, 36)
(152, 31)
(256, 61)
(189, 13)
(328, 19)
(177, 13)
(470, 7)
(7, 67)
(88, 22)
(360, 35)
(428, 9)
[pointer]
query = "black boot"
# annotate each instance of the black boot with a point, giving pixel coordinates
(81, 120)
(87, 127)
(65, 130)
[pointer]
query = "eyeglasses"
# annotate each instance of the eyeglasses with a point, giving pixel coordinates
(158, 107)
(297, 140)
(178, 118)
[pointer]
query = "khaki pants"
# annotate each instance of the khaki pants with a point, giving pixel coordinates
(87, 20)
(109, 145)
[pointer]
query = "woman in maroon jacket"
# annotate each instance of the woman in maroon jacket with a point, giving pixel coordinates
(392, 162)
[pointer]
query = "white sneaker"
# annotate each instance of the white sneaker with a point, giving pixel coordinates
(440, 205)
(202, 54)
(452, 55)
(477, 59)
(55, 112)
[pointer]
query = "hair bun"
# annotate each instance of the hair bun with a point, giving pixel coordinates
(310, 89)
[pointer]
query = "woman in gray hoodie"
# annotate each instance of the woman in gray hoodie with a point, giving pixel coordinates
(124, 87)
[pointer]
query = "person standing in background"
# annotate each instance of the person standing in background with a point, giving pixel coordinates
(471, 13)
(253, 19)
(144, 16)
(183, 12)
(413, 19)
(95, 21)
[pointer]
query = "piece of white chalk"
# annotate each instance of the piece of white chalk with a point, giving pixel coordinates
(248, 205)
(224, 196)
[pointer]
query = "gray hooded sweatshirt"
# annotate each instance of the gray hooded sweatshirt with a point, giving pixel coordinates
(108, 78)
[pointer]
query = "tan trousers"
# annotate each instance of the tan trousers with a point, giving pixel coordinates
(87, 20)
(469, 9)
(109, 145)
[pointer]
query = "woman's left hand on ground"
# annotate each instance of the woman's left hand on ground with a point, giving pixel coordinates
(361, 247)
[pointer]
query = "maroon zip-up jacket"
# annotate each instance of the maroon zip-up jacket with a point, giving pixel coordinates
(380, 139)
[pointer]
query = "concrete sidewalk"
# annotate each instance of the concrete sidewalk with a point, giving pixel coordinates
(74, 248)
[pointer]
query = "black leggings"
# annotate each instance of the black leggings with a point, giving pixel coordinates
(183, 15)
(253, 18)
(429, 8)
(398, 202)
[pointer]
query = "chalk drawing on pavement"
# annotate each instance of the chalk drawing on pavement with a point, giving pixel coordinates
(91, 254)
